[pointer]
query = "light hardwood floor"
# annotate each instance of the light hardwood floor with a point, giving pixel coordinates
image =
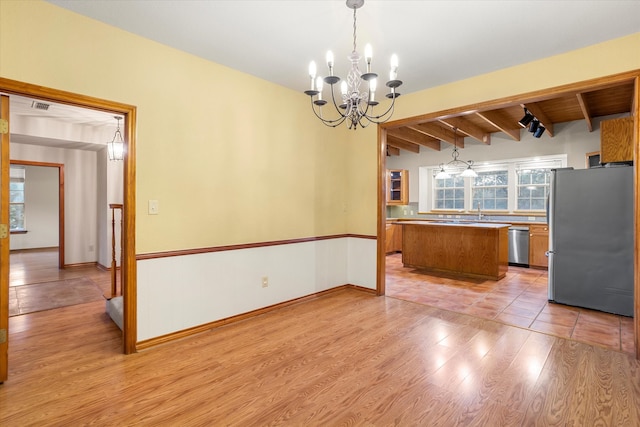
(348, 358)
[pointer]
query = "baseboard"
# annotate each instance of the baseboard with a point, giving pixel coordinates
(152, 342)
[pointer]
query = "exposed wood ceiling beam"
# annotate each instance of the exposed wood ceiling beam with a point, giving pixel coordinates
(416, 137)
(585, 111)
(468, 128)
(402, 144)
(440, 132)
(541, 116)
(500, 122)
(392, 151)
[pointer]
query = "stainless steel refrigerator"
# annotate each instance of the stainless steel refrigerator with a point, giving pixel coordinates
(590, 215)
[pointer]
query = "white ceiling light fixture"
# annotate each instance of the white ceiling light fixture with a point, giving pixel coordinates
(455, 166)
(115, 148)
(356, 106)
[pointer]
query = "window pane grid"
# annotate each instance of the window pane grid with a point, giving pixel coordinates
(449, 193)
(490, 190)
(16, 198)
(533, 188)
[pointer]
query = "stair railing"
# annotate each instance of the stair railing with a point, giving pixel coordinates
(114, 265)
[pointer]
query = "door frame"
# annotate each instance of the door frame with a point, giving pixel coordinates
(60, 167)
(128, 267)
(4, 242)
(585, 85)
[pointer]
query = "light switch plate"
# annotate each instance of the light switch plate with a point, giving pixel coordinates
(154, 207)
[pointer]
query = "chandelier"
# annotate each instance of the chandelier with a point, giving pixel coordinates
(356, 106)
(456, 166)
(115, 148)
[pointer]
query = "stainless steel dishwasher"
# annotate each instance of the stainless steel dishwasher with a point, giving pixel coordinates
(519, 245)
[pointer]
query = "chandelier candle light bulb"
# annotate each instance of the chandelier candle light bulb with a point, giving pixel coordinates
(357, 103)
(368, 54)
(312, 73)
(393, 74)
(319, 87)
(373, 84)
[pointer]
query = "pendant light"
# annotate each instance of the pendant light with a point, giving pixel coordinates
(455, 165)
(115, 148)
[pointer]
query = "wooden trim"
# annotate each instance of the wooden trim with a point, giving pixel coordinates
(61, 228)
(129, 184)
(18, 232)
(4, 243)
(152, 342)
(571, 89)
(636, 226)
(382, 212)
(81, 265)
(128, 236)
(196, 251)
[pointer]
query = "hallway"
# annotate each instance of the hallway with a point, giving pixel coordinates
(36, 283)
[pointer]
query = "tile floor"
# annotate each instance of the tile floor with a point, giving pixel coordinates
(36, 283)
(519, 299)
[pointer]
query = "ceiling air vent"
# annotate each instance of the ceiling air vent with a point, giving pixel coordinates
(40, 105)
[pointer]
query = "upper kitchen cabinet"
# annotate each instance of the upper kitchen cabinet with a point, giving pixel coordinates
(616, 140)
(397, 187)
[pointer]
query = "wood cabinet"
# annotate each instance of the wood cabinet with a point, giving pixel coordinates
(538, 245)
(616, 140)
(472, 250)
(397, 187)
(393, 238)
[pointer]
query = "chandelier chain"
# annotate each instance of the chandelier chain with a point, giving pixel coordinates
(354, 29)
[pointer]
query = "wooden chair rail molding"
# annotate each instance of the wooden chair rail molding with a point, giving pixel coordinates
(194, 251)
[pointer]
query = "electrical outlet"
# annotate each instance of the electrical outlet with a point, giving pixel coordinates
(265, 281)
(532, 218)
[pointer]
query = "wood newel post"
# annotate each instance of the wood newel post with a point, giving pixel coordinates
(114, 264)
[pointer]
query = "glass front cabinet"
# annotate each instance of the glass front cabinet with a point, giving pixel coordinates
(397, 187)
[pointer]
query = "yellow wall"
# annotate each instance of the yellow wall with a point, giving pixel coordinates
(234, 159)
(611, 57)
(231, 158)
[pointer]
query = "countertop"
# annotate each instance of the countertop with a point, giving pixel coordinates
(462, 221)
(457, 224)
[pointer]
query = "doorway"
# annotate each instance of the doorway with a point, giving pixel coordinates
(11, 88)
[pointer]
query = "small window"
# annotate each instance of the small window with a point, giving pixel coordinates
(449, 193)
(16, 198)
(491, 190)
(533, 188)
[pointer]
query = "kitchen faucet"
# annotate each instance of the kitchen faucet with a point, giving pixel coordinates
(479, 213)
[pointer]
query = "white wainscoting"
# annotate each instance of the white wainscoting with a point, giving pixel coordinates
(181, 292)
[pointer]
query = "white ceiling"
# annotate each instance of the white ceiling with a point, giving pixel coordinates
(437, 41)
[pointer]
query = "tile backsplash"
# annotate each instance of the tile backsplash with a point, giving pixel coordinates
(411, 211)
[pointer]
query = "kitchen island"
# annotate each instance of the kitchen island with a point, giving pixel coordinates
(462, 248)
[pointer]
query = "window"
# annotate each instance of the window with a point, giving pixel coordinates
(533, 188)
(449, 193)
(491, 190)
(506, 186)
(16, 198)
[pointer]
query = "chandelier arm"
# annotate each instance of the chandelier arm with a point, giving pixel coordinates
(329, 122)
(381, 118)
(337, 107)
